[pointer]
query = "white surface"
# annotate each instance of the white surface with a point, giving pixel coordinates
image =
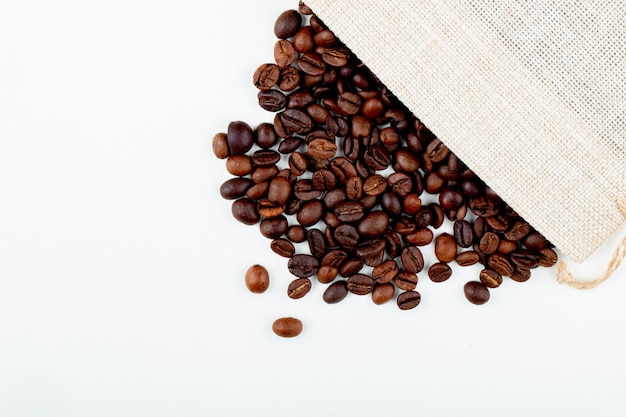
(121, 269)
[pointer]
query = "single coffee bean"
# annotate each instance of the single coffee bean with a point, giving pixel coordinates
(269, 209)
(439, 272)
(489, 242)
(400, 183)
(351, 266)
(520, 275)
(390, 203)
(483, 206)
(336, 57)
(445, 248)
(325, 38)
(467, 258)
(274, 227)
(324, 180)
(349, 103)
(335, 257)
(220, 146)
(287, 327)
(327, 274)
(476, 292)
(284, 53)
(412, 204)
(405, 280)
(304, 190)
(375, 185)
(335, 292)
(302, 265)
(271, 100)
(240, 137)
(296, 121)
(499, 222)
(235, 188)
(266, 76)
(349, 211)
(310, 213)
(283, 247)
(490, 278)
(360, 284)
(303, 40)
(548, 257)
(296, 233)
(333, 197)
(450, 199)
(377, 158)
(346, 235)
(287, 24)
(535, 241)
(290, 79)
(408, 300)
(421, 237)
(517, 231)
(371, 251)
(373, 224)
(343, 169)
(500, 264)
(298, 288)
(317, 243)
(385, 272)
(244, 210)
(412, 259)
(505, 246)
(311, 63)
(257, 279)
(463, 233)
(261, 174)
(436, 151)
(383, 293)
(434, 183)
(524, 258)
(279, 190)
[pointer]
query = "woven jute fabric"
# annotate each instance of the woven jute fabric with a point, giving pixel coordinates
(531, 95)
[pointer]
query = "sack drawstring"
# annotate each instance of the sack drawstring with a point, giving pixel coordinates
(564, 276)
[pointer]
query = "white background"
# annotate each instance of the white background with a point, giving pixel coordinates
(121, 268)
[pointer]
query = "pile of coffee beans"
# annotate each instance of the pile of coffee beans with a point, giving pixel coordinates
(347, 172)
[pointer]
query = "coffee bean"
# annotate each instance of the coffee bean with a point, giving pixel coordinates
(374, 185)
(282, 247)
(383, 293)
(400, 183)
(408, 300)
(269, 209)
(257, 279)
(336, 57)
(489, 242)
(377, 158)
(351, 266)
(505, 247)
(335, 292)
(349, 211)
(520, 275)
(287, 327)
(346, 235)
(296, 233)
(220, 146)
(463, 233)
(411, 204)
(439, 272)
(535, 241)
(354, 188)
(303, 40)
(343, 169)
(445, 248)
(235, 188)
(360, 284)
(305, 191)
(327, 274)
(490, 278)
(335, 258)
(385, 272)
(271, 100)
(500, 264)
(240, 137)
(476, 292)
(311, 63)
(436, 151)
(524, 258)
(287, 24)
(290, 79)
(420, 237)
(261, 174)
(296, 121)
(310, 212)
(284, 53)
(412, 259)
(266, 76)
(274, 227)
(373, 224)
(405, 280)
(298, 288)
(244, 210)
(467, 258)
(371, 251)
(302, 265)
(324, 180)
(483, 206)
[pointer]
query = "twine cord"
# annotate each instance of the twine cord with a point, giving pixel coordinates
(564, 276)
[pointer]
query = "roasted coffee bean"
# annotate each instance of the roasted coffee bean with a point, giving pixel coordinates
(265, 158)
(423, 218)
(393, 244)
(287, 327)
(335, 292)
(405, 280)
(354, 188)
(450, 199)
(470, 189)
(499, 222)
(406, 161)
(283, 247)
(220, 146)
(244, 210)
(310, 212)
(333, 197)
(235, 188)
(476, 292)
(434, 183)
(327, 274)
(412, 259)
(239, 137)
(274, 227)
(445, 248)
(548, 257)
(377, 158)
(300, 99)
(351, 266)
(343, 169)
(420, 237)
(335, 257)
(370, 250)
(383, 293)
(336, 57)
(317, 243)
(296, 121)
(302, 265)
(500, 264)
(489, 242)
(437, 214)
(375, 185)
(279, 190)
(390, 203)
(257, 279)
(266, 76)
(411, 204)
(303, 40)
(400, 183)
(535, 241)
(373, 224)
(287, 24)
(298, 288)
(480, 227)
(311, 63)
(463, 233)
(289, 146)
(523, 258)
(520, 275)
(360, 284)
(373, 108)
(385, 272)
(483, 206)
(261, 174)
(517, 231)
(269, 209)
(436, 151)
(271, 100)
(290, 79)
(490, 278)
(349, 103)
(349, 211)
(408, 300)
(296, 233)
(505, 247)
(439, 272)
(258, 191)
(325, 38)
(284, 53)
(305, 191)
(323, 179)
(467, 258)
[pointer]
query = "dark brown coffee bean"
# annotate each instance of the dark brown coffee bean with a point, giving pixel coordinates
(450, 199)
(383, 293)
(385, 272)
(265, 157)
(325, 38)
(548, 257)
(377, 158)
(311, 63)
(240, 137)
(290, 79)
(327, 274)
(317, 243)
(438, 215)
(298, 288)
(373, 224)
(239, 165)
(434, 183)
(349, 103)
(489, 243)
(490, 278)
(439, 272)
(296, 233)
(300, 99)
(412, 259)
(305, 191)
(517, 231)
(375, 185)
(371, 250)
(220, 146)
(346, 235)
(244, 210)
(266, 76)
(261, 174)
(400, 183)
(498, 223)
(335, 257)
(349, 211)
(360, 284)
(505, 247)
(411, 204)
(287, 327)
(279, 190)
(500, 264)
(483, 206)
(324, 180)
(476, 292)
(296, 121)
(405, 280)
(351, 266)
(520, 275)
(445, 248)
(420, 237)
(287, 24)
(271, 100)
(390, 203)
(283, 247)
(235, 188)
(524, 258)
(333, 197)
(436, 151)
(257, 279)
(302, 265)
(335, 292)
(470, 189)
(467, 258)
(408, 300)
(336, 57)
(463, 233)
(310, 212)
(354, 188)
(303, 40)
(284, 53)
(274, 227)
(406, 161)
(535, 241)
(343, 169)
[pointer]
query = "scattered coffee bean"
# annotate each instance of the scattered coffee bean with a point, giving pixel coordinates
(476, 292)
(287, 327)
(257, 279)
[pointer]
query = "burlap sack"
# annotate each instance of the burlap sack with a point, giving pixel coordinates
(531, 95)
